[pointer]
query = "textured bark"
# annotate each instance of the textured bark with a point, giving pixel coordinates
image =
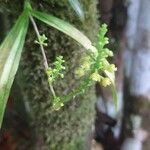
(105, 7)
(137, 76)
(131, 28)
(65, 129)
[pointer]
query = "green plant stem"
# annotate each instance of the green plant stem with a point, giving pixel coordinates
(43, 52)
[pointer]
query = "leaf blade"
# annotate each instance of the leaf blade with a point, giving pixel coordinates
(64, 27)
(75, 4)
(111, 76)
(10, 53)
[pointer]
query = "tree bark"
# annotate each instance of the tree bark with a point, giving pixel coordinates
(137, 73)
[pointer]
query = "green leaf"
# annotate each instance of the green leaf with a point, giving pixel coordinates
(114, 95)
(77, 8)
(111, 76)
(10, 53)
(63, 27)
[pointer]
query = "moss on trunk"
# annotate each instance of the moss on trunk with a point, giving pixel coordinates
(65, 129)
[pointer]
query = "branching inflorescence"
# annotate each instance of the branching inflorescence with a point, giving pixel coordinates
(94, 67)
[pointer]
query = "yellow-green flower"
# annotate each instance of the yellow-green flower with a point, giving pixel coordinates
(111, 68)
(105, 82)
(85, 66)
(57, 104)
(96, 77)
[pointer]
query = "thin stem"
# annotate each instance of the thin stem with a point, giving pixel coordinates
(52, 89)
(41, 46)
(43, 52)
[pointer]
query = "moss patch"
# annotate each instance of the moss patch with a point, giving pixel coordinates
(65, 129)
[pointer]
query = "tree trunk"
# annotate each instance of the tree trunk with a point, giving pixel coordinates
(137, 73)
(65, 129)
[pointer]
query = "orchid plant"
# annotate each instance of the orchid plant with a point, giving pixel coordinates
(94, 66)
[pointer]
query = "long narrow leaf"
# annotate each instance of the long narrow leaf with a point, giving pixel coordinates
(111, 76)
(63, 27)
(77, 8)
(10, 53)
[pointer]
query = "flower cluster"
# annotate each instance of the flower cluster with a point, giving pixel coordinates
(94, 67)
(42, 40)
(97, 64)
(84, 67)
(54, 73)
(57, 103)
(102, 65)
